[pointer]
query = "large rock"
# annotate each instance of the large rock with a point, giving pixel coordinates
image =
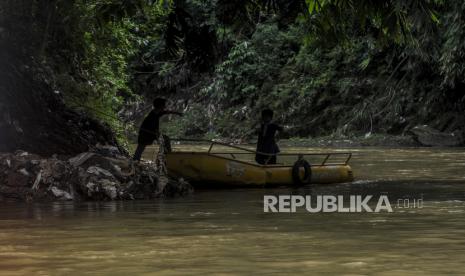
(98, 175)
(429, 136)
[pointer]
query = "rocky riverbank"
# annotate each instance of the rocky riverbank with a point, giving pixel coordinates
(419, 136)
(100, 174)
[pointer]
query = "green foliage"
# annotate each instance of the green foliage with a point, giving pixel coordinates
(452, 58)
(107, 36)
(103, 68)
(336, 67)
(270, 71)
(325, 66)
(390, 20)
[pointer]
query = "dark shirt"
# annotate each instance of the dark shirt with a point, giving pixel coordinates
(266, 138)
(150, 127)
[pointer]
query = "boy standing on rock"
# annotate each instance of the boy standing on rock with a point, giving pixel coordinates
(150, 128)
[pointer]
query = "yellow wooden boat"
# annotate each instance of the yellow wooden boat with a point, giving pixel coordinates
(229, 168)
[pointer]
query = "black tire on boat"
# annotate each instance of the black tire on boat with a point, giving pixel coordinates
(296, 172)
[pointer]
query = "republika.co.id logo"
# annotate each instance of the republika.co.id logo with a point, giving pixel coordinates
(331, 204)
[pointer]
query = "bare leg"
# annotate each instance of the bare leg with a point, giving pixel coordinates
(167, 143)
(138, 153)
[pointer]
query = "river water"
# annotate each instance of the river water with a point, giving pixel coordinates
(226, 231)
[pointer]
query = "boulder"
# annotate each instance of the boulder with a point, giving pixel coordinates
(428, 136)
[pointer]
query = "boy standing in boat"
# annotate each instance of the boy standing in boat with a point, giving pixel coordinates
(266, 139)
(150, 128)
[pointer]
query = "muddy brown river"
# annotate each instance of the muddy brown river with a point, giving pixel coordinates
(226, 231)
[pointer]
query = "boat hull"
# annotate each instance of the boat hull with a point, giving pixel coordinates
(204, 168)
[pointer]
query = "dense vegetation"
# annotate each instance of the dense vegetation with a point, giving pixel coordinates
(326, 67)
